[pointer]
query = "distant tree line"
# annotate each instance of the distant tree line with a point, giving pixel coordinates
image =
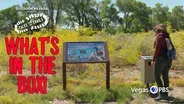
(127, 16)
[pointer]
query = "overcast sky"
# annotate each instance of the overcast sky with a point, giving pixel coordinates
(170, 3)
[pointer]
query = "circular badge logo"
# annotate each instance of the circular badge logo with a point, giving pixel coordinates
(153, 89)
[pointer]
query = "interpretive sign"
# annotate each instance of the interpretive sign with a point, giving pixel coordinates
(86, 52)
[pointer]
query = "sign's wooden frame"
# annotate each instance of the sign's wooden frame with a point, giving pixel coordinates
(107, 62)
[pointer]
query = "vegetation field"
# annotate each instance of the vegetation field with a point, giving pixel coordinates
(86, 82)
(127, 27)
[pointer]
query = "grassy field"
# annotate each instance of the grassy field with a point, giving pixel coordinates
(86, 82)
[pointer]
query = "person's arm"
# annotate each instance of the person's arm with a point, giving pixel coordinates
(159, 41)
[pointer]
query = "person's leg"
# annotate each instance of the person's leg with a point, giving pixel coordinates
(158, 79)
(158, 69)
(159, 66)
(165, 76)
(157, 74)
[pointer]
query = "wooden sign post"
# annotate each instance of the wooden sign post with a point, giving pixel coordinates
(86, 52)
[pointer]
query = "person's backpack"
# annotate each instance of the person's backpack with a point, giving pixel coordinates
(171, 52)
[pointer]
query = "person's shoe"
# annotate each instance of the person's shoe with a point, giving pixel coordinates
(162, 97)
(158, 97)
(164, 94)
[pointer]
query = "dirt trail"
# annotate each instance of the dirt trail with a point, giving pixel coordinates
(176, 93)
(132, 73)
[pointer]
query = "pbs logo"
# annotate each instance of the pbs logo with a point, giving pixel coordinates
(154, 89)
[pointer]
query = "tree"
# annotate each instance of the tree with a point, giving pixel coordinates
(109, 16)
(136, 15)
(141, 18)
(177, 17)
(126, 7)
(80, 12)
(8, 17)
(54, 9)
(160, 14)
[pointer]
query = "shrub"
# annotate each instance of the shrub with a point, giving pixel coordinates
(122, 93)
(90, 94)
(86, 31)
(5, 100)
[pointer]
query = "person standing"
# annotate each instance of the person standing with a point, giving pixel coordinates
(160, 62)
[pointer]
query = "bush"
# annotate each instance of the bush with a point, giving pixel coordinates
(122, 93)
(86, 31)
(126, 48)
(177, 39)
(90, 94)
(5, 100)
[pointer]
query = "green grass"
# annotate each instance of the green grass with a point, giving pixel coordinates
(82, 89)
(83, 92)
(122, 94)
(98, 94)
(90, 94)
(5, 100)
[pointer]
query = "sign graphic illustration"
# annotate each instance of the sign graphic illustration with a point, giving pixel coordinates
(85, 52)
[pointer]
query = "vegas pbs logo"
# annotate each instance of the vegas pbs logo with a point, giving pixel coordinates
(154, 89)
(32, 22)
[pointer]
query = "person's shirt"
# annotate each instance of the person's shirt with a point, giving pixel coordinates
(160, 45)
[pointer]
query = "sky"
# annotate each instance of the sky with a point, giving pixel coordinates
(170, 3)
(8, 3)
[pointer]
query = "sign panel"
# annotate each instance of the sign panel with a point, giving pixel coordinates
(85, 52)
